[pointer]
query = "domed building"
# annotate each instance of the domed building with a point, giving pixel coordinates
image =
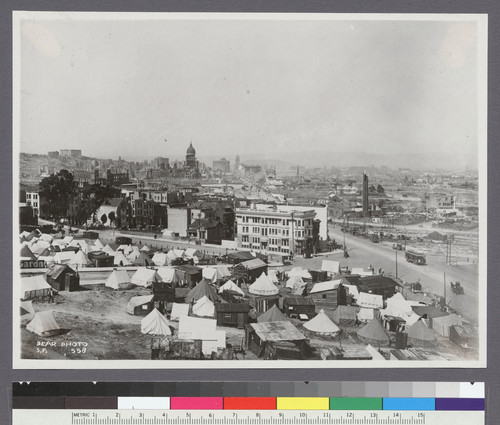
(191, 164)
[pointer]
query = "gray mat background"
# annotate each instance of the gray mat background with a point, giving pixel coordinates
(491, 375)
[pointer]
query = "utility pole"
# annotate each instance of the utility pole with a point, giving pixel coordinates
(444, 287)
(396, 263)
(293, 239)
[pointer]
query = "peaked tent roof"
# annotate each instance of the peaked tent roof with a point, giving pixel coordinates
(397, 306)
(274, 314)
(98, 244)
(108, 250)
(231, 286)
(27, 308)
(80, 260)
(34, 283)
(345, 314)
(145, 277)
(145, 248)
(118, 279)
(419, 334)
(374, 333)
(199, 291)
(155, 324)
(120, 259)
(26, 253)
(168, 274)
(299, 271)
(263, 286)
(57, 269)
(330, 266)
(293, 281)
(133, 255)
(43, 322)
(160, 259)
(204, 307)
(179, 310)
(143, 260)
(321, 324)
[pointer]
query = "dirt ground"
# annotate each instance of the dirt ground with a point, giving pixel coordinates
(97, 326)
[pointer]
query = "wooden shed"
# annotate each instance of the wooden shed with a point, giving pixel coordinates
(293, 306)
(276, 340)
(164, 291)
(101, 259)
(250, 269)
(63, 278)
(329, 294)
(229, 314)
(190, 275)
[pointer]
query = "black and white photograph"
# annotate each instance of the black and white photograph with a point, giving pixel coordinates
(260, 190)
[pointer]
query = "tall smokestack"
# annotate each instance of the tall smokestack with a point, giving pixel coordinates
(365, 194)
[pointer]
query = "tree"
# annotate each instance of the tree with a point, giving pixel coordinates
(112, 217)
(56, 190)
(104, 218)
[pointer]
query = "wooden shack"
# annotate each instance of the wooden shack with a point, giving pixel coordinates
(164, 291)
(276, 340)
(101, 259)
(293, 306)
(328, 295)
(250, 270)
(189, 275)
(229, 314)
(63, 278)
(377, 284)
(263, 303)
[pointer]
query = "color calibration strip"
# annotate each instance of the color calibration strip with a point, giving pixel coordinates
(419, 396)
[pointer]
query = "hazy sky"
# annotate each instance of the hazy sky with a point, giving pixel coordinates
(121, 87)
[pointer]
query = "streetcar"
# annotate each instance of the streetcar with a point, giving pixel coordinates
(416, 257)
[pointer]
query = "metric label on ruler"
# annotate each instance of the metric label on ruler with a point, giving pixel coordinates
(247, 417)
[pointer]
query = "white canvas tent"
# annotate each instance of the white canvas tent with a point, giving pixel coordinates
(34, 286)
(145, 277)
(118, 279)
(214, 274)
(98, 244)
(27, 309)
(79, 260)
(204, 330)
(155, 324)
(330, 266)
(44, 324)
(204, 307)
(397, 306)
(370, 300)
(179, 310)
(168, 274)
(273, 275)
(160, 259)
(108, 250)
(145, 248)
(365, 314)
(322, 324)
(231, 286)
(133, 255)
(300, 272)
(263, 286)
(64, 257)
(126, 249)
(120, 259)
(192, 252)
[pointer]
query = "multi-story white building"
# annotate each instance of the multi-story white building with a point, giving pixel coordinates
(33, 199)
(273, 229)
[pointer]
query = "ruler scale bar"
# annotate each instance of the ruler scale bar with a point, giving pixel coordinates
(250, 417)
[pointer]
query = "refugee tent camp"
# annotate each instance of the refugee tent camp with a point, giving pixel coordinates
(321, 324)
(179, 310)
(263, 286)
(118, 279)
(44, 324)
(274, 314)
(419, 334)
(145, 277)
(204, 308)
(34, 286)
(374, 333)
(155, 324)
(202, 289)
(231, 286)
